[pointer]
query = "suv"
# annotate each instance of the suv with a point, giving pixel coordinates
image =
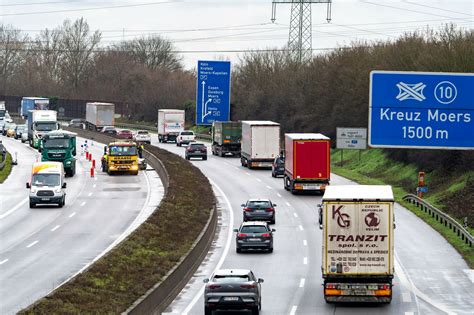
(259, 209)
(235, 289)
(185, 137)
(77, 123)
(142, 136)
(196, 150)
(278, 166)
(254, 235)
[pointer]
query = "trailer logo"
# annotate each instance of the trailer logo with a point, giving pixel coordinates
(372, 220)
(343, 219)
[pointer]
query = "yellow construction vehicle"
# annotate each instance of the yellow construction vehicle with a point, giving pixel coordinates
(120, 156)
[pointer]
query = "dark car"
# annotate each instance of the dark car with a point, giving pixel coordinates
(77, 123)
(259, 210)
(278, 166)
(254, 235)
(109, 130)
(125, 134)
(196, 149)
(233, 289)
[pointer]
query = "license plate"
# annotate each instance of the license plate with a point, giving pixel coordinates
(231, 298)
(311, 187)
(44, 199)
(254, 239)
(355, 292)
(260, 211)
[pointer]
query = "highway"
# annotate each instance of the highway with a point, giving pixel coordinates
(431, 277)
(43, 247)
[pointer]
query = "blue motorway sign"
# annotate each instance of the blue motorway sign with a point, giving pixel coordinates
(213, 92)
(421, 110)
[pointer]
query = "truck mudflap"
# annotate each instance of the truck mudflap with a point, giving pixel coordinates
(358, 292)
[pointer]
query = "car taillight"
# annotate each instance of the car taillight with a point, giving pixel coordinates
(384, 287)
(269, 210)
(241, 235)
(248, 286)
(213, 286)
(248, 209)
(266, 235)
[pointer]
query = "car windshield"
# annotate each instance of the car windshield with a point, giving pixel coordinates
(254, 229)
(21, 128)
(12, 126)
(46, 126)
(122, 150)
(187, 133)
(231, 278)
(55, 143)
(259, 204)
(143, 132)
(45, 180)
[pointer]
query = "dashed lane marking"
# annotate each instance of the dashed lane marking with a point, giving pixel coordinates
(55, 228)
(32, 244)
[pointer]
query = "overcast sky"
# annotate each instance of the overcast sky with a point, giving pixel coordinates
(218, 27)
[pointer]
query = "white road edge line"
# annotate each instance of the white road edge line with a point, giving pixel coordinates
(55, 228)
(32, 244)
(72, 214)
(3, 261)
(305, 261)
(226, 248)
(6, 214)
(293, 310)
(302, 282)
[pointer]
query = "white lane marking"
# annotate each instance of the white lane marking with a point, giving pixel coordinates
(300, 227)
(409, 313)
(89, 194)
(305, 243)
(237, 168)
(94, 186)
(258, 180)
(83, 204)
(302, 281)
(32, 244)
(305, 261)
(55, 228)
(2, 216)
(230, 234)
(295, 214)
(95, 178)
(269, 187)
(406, 297)
(247, 173)
(278, 195)
(288, 204)
(293, 310)
(72, 214)
(3, 261)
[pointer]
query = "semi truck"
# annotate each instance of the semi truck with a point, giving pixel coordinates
(121, 156)
(33, 103)
(99, 115)
(170, 124)
(260, 143)
(41, 122)
(226, 138)
(60, 146)
(307, 160)
(358, 243)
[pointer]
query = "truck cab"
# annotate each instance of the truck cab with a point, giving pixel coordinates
(121, 156)
(41, 122)
(47, 185)
(60, 146)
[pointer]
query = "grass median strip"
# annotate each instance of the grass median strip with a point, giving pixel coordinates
(127, 272)
(6, 169)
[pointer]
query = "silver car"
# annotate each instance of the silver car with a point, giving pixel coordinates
(233, 289)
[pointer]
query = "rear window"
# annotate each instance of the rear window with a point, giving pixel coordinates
(126, 131)
(197, 146)
(231, 278)
(187, 133)
(259, 204)
(143, 132)
(254, 229)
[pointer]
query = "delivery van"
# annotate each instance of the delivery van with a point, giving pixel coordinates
(47, 185)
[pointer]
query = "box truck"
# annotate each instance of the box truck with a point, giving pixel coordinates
(60, 146)
(99, 115)
(41, 122)
(307, 159)
(260, 143)
(226, 138)
(357, 248)
(170, 124)
(33, 103)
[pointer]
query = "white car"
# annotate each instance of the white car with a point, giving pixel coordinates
(142, 136)
(185, 137)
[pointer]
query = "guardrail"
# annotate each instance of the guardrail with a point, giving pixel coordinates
(442, 218)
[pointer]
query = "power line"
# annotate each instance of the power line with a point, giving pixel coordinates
(36, 3)
(436, 8)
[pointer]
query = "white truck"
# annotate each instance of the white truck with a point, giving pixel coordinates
(99, 115)
(170, 124)
(3, 111)
(41, 122)
(260, 143)
(357, 248)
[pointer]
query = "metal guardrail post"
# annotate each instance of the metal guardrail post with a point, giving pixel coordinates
(442, 217)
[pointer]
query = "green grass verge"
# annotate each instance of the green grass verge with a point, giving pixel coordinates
(127, 272)
(374, 168)
(6, 169)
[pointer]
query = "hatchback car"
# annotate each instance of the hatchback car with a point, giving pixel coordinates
(259, 209)
(11, 130)
(77, 123)
(109, 130)
(125, 134)
(19, 130)
(142, 136)
(195, 149)
(233, 289)
(254, 235)
(278, 166)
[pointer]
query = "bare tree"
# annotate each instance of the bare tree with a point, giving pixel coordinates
(12, 48)
(47, 54)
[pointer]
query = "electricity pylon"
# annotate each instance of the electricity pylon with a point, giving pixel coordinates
(300, 40)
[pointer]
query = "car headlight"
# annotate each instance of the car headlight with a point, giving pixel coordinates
(68, 162)
(134, 167)
(33, 190)
(57, 190)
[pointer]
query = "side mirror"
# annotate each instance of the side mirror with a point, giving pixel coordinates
(242, 205)
(205, 280)
(64, 185)
(320, 216)
(105, 149)
(260, 280)
(28, 185)
(273, 230)
(274, 204)
(236, 230)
